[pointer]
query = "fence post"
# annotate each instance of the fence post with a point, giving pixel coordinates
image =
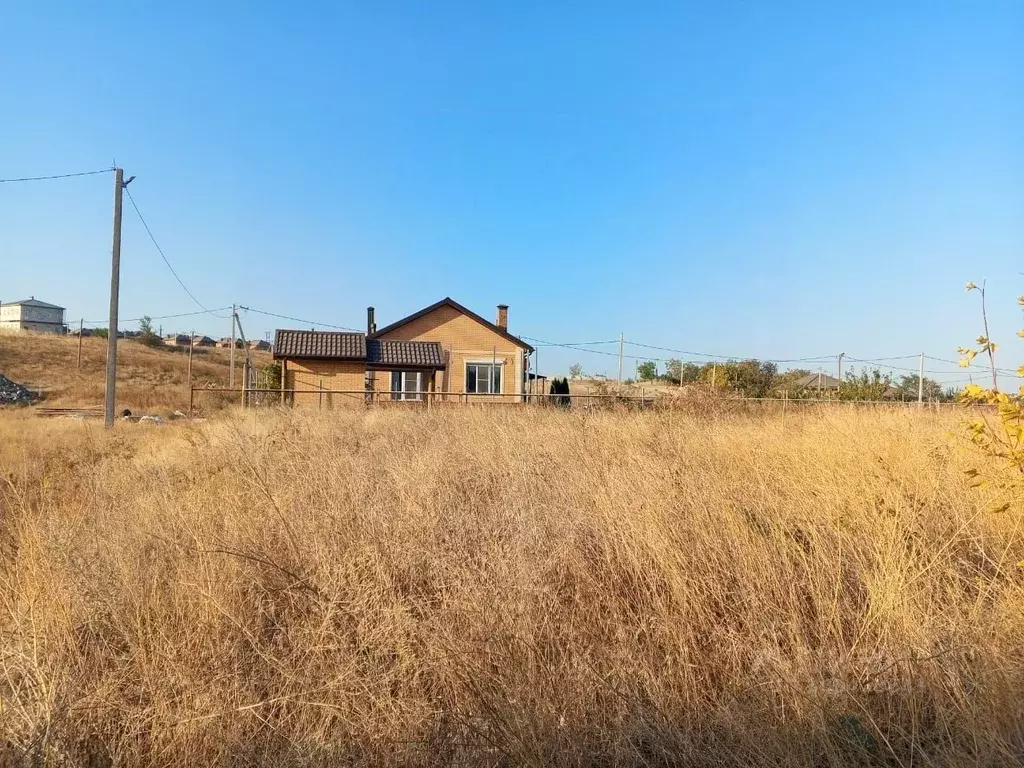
(284, 377)
(245, 380)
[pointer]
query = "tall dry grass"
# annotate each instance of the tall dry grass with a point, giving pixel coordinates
(150, 380)
(491, 587)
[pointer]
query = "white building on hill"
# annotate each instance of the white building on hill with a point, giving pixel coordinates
(32, 315)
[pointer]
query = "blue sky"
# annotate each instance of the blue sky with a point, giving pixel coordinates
(771, 180)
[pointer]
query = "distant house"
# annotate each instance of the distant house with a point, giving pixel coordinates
(445, 349)
(32, 316)
(260, 345)
(818, 381)
(225, 343)
(203, 341)
(177, 340)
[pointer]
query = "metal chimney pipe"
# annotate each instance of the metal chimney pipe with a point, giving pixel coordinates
(371, 322)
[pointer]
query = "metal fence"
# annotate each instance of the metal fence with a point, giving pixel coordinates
(324, 399)
(329, 399)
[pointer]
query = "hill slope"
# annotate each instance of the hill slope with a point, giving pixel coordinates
(147, 379)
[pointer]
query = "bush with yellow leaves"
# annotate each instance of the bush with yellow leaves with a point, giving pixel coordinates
(1003, 439)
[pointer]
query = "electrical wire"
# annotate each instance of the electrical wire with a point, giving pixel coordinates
(734, 357)
(592, 351)
(915, 370)
(57, 176)
(165, 317)
(571, 343)
(164, 257)
(299, 320)
(1007, 371)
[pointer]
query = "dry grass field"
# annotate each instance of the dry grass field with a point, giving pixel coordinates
(148, 380)
(504, 588)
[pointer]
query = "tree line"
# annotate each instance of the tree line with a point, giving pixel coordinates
(754, 378)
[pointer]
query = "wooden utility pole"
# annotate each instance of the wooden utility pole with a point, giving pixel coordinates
(115, 281)
(839, 368)
(231, 375)
(622, 342)
(191, 338)
(920, 380)
(80, 324)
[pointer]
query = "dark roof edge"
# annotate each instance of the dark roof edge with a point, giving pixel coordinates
(278, 351)
(447, 300)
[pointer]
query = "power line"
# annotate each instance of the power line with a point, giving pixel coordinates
(818, 358)
(591, 351)
(167, 317)
(571, 343)
(1007, 371)
(161, 252)
(299, 320)
(57, 176)
(915, 370)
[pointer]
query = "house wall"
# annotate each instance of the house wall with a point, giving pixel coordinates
(333, 374)
(464, 340)
(19, 318)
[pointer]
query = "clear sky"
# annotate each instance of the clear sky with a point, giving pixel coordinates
(771, 180)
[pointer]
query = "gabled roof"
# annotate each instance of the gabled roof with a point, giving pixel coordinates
(332, 345)
(812, 380)
(449, 302)
(31, 303)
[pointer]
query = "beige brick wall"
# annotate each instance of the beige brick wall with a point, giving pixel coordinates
(334, 374)
(464, 339)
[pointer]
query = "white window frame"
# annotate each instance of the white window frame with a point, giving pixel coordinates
(490, 364)
(402, 392)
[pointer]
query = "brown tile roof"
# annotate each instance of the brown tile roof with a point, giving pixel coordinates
(333, 345)
(448, 301)
(336, 345)
(398, 354)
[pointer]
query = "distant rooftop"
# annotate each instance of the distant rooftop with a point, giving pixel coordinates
(31, 301)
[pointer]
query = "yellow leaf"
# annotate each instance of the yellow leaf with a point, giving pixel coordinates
(983, 340)
(964, 363)
(970, 286)
(1021, 333)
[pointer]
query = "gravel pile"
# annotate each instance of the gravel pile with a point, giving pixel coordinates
(12, 393)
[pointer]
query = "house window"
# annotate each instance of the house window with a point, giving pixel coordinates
(406, 385)
(483, 378)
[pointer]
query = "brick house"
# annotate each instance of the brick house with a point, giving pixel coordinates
(444, 349)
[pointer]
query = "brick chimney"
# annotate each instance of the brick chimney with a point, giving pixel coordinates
(502, 317)
(371, 321)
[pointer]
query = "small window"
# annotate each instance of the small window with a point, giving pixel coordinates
(406, 385)
(483, 378)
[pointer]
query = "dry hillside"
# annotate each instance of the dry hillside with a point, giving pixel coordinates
(502, 587)
(152, 380)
